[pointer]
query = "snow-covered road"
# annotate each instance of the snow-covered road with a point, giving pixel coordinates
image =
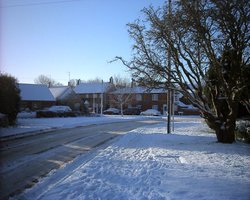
(26, 159)
(31, 126)
(147, 163)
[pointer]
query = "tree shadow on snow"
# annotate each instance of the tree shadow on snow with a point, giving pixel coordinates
(183, 142)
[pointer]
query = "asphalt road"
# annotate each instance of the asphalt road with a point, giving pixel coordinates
(25, 160)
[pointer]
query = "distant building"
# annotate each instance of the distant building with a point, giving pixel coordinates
(186, 108)
(144, 98)
(61, 92)
(65, 95)
(94, 95)
(100, 96)
(35, 96)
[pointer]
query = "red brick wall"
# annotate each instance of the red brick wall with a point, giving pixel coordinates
(147, 102)
(36, 105)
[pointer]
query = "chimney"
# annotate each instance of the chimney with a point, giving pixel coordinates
(78, 82)
(111, 80)
(132, 83)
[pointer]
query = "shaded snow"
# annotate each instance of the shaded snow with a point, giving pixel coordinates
(61, 92)
(147, 163)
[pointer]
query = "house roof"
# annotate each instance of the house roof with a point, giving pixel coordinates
(35, 92)
(92, 88)
(60, 92)
(139, 90)
(186, 106)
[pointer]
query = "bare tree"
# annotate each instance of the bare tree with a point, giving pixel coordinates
(121, 92)
(122, 97)
(95, 80)
(72, 82)
(245, 98)
(45, 80)
(121, 82)
(200, 36)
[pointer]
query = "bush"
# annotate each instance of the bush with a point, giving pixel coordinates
(4, 122)
(49, 114)
(243, 130)
(43, 113)
(9, 97)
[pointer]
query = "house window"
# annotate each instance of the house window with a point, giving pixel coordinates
(139, 107)
(154, 97)
(87, 95)
(36, 105)
(94, 95)
(176, 96)
(138, 97)
(155, 107)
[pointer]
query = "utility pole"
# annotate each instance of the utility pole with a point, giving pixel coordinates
(69, 75)
(169, 77)
(102, 99)
(173, 108)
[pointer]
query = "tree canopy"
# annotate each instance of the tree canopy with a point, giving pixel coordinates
(200, 48)
(45, 80)
(9, 97)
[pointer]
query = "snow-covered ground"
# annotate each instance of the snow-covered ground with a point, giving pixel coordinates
(33, 125)
(147, 163)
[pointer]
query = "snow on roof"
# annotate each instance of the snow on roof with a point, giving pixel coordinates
(153, 91)
(187, 106)
(139, 90)
(126, 90)
(59, 92)
(92, 88)
(35, 92)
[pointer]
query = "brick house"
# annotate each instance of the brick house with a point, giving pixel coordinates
(35, 96)
(143, 98)
(184, 107)
(94, 95)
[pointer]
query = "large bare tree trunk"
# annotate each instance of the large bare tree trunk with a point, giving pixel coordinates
(224, 127)
(208, 43)
(225, 135)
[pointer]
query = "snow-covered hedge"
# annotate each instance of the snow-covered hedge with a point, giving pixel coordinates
(243, 130)
(26, 114)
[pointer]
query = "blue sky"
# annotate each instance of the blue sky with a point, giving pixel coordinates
(77, 36)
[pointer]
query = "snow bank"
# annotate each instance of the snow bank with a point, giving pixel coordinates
(147, 163)
(37, 125)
